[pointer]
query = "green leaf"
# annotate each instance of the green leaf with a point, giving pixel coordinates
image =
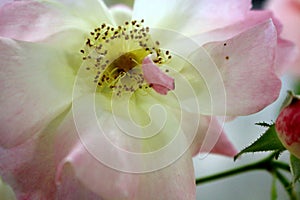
(295, 166)
(269, 141)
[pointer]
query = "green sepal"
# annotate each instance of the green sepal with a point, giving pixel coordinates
(295, 167)
(6, 191)
(288, 99)
(264, 124)
(269, 141)
(297, 86)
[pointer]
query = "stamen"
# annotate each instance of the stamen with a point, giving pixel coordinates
(116, 54)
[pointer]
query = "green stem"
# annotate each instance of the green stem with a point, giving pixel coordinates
(268, 164)
(227, 173)
(281, 165)
(286, 184)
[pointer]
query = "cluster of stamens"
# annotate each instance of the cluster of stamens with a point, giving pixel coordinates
(115, 54)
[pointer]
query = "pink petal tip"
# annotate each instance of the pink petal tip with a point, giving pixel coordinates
(159, 81)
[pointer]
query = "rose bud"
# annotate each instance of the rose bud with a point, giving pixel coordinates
(288, 126)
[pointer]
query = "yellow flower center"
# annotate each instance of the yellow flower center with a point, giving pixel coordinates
(115, 56)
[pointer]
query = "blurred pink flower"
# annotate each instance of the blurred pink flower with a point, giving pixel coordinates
(288, 12)
(49, 142)
(287, 126)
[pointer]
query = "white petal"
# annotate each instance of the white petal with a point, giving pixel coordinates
(95, 12)
(190, 16)
(85, 148)
(36, 85)
(121, 13)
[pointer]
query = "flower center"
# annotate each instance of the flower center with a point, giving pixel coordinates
(115, 55)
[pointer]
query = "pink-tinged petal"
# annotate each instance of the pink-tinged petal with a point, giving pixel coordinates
(34, 21)
(159, 81)
(247, 63)
(71, 188)
(253, 18)
(30, 169)
(224, 146)
(35, 88)
(210, 138)
(288, 12)
(286, 56)
(175, 181)
(191, 16)
(285, 49)
(29, 20)
(106, 182)
(71, 145)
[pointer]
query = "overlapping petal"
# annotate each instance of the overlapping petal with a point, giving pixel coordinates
(50, 17)
(288, 12)
(246, 63)
(252, 19)
(36, 86)
(191, 17)
(176, 180)
(210, 136)
(285, 50)
(30, 169)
